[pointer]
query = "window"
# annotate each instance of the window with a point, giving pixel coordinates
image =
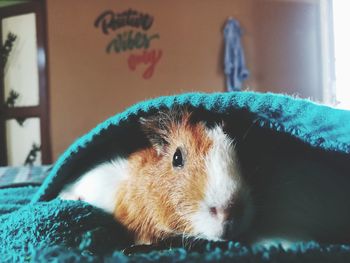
(341, 23)
(24, 109)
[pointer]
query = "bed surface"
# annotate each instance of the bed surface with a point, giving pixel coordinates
(10, 175)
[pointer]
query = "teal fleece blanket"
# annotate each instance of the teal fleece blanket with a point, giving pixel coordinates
(35, 226)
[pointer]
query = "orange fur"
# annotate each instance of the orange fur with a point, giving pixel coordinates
(157, 198)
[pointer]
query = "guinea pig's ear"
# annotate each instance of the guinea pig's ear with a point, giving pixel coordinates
(156, 131)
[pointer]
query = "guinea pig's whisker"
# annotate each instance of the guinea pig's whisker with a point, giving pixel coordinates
(245, 135)
(184, 236)
(194, 241)
(234, 145)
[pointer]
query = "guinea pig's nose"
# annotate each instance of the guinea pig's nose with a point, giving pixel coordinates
(228, 212)
(223, 213)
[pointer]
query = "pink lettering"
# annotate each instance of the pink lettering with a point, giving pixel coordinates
(149, 58)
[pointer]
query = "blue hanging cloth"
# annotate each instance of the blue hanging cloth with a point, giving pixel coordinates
(235, 69)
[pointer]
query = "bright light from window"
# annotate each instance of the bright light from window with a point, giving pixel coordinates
(341, 22)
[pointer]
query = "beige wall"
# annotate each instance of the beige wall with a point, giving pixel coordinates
(87, 85)
(288, 43)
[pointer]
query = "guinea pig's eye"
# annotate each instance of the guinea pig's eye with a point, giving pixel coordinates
(178, 160)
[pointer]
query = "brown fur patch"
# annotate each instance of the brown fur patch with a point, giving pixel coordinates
(158, 199)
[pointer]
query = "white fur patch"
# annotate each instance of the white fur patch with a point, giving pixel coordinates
(222, 169)
(98, 186)
(223, 183)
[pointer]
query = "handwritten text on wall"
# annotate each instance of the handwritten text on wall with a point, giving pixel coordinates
(132, 39)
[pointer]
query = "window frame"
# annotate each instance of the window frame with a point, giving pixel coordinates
(41, 111)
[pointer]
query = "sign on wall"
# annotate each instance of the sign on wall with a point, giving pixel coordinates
(130, 30)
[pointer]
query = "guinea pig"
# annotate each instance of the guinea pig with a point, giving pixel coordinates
(186, 182)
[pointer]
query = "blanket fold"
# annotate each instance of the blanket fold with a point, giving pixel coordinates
(37, 226)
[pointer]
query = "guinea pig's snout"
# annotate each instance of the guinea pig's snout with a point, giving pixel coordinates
(228, 212)
(230, 217)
